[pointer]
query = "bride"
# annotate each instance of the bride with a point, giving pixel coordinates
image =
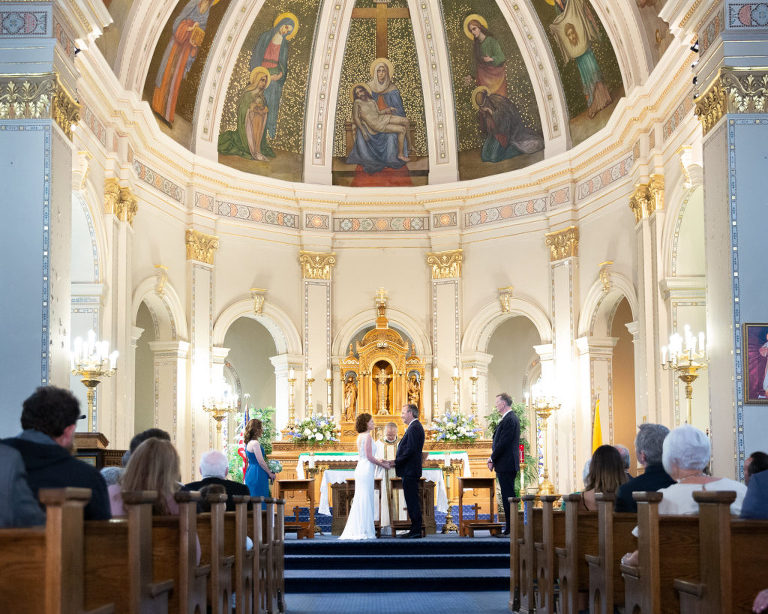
(360, 521)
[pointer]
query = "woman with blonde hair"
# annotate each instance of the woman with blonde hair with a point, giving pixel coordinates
(154, 465)
(258, 475)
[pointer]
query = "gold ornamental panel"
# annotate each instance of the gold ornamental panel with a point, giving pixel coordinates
(316, 265)
(38, 97)
(446, 265)
(200, 246)
(563, 243)
(734, 91)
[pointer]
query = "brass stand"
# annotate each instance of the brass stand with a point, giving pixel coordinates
(473, 407)
(291, 402)
(219, 413)
(686, 361)
(309, 411)
(543, 411)
(687, 371)
(329, 389)
(449, 525)
(455, 407)
(435, 402)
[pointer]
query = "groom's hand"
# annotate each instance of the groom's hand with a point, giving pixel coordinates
(490, 464)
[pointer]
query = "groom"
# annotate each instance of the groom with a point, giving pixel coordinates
(408, 466)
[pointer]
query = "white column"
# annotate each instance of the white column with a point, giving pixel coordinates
(640, 411)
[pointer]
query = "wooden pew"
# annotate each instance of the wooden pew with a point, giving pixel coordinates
(668, 548)
(217, 552)
(243, 574)
(531, 533)
(263, 562)
(733, 558)
(606, 586)
(580, 539)
(515, 534)
(552, 535)
(279, 554)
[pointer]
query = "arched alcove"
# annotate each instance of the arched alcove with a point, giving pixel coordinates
(144, 413)
(624, 416)
(511, 346)
(250, 347)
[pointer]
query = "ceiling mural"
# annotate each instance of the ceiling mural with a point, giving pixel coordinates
(587, 63)
(380, 136)
(177, 64)
(656, 29)
(499, 128)
(262, 123)
(109, 42)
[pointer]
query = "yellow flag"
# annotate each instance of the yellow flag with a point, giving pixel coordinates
(597, 431)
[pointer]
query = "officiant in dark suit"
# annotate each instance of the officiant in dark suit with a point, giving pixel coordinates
(408, 466)
(505, 454)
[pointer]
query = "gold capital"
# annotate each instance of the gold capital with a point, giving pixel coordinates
(647, 197)
(316, 265)
(446, 265)
(200, 246)
(735, 90)
(38, 97)
(65, 111)
(119, 200)
(563, 243)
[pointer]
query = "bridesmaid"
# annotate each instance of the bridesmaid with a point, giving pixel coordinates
(258, 474)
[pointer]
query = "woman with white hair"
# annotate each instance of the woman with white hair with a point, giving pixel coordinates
(685, 455)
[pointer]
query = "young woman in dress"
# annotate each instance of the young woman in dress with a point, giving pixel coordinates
(258, 475)
(360, 521)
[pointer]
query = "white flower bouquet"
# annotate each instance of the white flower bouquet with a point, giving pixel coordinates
(455, 428)
(315, 431)
(275, 466)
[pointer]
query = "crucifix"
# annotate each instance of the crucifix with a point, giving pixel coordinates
(381, 13)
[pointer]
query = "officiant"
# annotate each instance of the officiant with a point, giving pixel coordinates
(386, 449)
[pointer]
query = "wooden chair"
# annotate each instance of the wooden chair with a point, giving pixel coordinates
(552, 535)
(467, 527)
(733, 558)
(580, 539)
(531, 533)
(606, 586)
(668, 548)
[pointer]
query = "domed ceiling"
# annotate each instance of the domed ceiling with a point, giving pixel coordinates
(362, 79)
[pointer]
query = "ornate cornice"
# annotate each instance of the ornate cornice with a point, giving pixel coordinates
(200, 246)
(316, 265)
(446, 265)
(733, 91)
(119, 201)
(563, 243)
(65, 111)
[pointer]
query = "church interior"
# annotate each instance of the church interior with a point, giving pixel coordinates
(319, 208)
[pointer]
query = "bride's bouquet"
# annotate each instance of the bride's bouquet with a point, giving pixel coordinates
(455, 428)
(315, 431)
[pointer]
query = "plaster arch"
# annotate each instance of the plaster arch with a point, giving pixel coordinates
(599, 305)
(166, 309)
(274, 319)
(634, 71)
(96, 231)
(421, 344)
(677, 202)
(480, 329)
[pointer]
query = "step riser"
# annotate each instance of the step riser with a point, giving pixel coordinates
(316, 585)
(383, 565)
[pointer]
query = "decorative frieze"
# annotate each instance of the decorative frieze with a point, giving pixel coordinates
(316, 265)
(200, 246)
(563, 243)
(734, 91)
(446, 265)
(26, 96)
(119, 201)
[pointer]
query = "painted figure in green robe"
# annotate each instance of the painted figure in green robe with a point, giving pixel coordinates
(249, 140)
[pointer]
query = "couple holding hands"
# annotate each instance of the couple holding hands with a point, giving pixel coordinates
(407, 465)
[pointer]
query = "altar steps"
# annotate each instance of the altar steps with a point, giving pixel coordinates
(437, 563)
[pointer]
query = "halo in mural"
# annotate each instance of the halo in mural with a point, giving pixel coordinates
(386, 62)
(355, 86)
(475, 92)
(254, 78)
(474, 17)
(293, 18)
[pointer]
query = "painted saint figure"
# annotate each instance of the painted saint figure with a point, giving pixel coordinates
(414, 390)
(188, 33)
(271, 52)
(488, 59)
(350, 398)
(501, 123)
(575, 28)
(249, 140)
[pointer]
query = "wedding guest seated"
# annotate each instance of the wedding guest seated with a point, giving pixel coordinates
(756, 476)
(49, 418)
(112, 477)
(606, 474)
(140, 438)
(154, 465)
(648, 447)
(625, 458)
(18, 506)
(213, 469)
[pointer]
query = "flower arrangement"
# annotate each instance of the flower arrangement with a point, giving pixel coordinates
(275, 466)
(315, 431)
(455, 428)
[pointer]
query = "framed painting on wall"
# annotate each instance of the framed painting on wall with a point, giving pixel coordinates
(756, 363)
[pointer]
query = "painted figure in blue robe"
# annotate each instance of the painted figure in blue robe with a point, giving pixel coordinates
(271, 52)
(381, 137)
(506, 136)
(258, 474)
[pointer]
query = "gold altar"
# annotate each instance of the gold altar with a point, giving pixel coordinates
(380, 376)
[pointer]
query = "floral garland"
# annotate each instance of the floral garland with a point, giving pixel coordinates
(455, 427)
(315, 431)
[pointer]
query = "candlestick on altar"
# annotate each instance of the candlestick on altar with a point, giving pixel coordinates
(544, 408)
(308, 410)
(291, 399)
(329, 392)
(455, 406)
(473, 378)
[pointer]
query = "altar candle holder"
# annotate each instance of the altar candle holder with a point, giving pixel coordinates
(473, 378)
(329, 393)
(291, 399)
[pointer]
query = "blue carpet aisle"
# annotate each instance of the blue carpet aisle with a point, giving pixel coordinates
(489, 602)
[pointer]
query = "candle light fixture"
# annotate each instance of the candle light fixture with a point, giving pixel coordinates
(220, 402)
(291, 399)
(92, 361)
(308, 412)
(455, 406)
(685, 355)
(329, 393)
(473, 378)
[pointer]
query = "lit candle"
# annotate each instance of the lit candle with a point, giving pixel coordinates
(327, 374)
(434, 374)
(455, 372)
(664, 354)
(113, 359)
(474, 371)
(701, 342)
(291, 374)
(309, 373)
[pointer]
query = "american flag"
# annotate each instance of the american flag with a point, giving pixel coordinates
(241, 441)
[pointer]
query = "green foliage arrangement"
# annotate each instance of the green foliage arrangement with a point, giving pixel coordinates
(531, 470)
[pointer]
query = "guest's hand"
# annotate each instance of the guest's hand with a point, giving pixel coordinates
(631, 558)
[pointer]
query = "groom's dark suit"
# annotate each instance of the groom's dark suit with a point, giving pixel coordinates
(408, 467)
(506, 457)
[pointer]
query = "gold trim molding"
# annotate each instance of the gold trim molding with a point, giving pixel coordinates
(736, 91)
(316, 265)
(647, 198)
(65, 111)
(446, 265)
(563, 243)
(200, 246)
(38, 97)
(120, 201)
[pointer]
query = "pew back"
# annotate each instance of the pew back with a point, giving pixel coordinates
(580, 538)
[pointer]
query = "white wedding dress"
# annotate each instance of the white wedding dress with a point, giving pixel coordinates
(360, 520)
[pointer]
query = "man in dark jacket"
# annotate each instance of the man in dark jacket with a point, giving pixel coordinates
(648, 446)
(49, 418)
(213, 468)
(505, 453)
(408, 466)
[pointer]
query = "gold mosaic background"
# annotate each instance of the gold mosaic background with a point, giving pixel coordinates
(519, 88)
(360, 51)
(569, 73)
(289, 135)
